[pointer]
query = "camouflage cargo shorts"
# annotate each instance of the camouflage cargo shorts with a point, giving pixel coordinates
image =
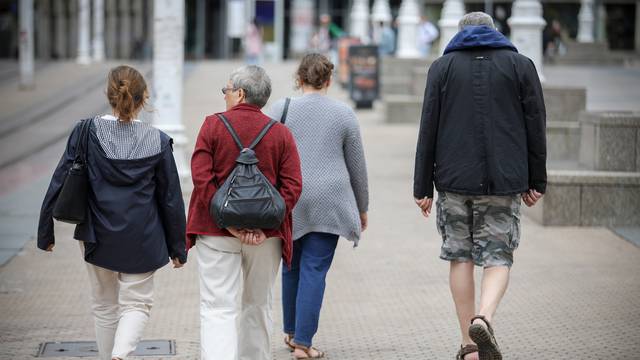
(482, 229)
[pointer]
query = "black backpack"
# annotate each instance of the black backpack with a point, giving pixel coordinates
(247, 199)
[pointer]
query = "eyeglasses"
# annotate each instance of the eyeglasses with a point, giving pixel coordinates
(225, 89)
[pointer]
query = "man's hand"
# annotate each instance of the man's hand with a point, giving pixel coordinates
(531, 197)
(364, 221)
(425, 205)
(176, 263)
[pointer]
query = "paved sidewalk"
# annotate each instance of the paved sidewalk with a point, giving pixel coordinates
(575, 293)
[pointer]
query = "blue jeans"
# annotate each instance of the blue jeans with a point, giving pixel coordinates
(303, 285)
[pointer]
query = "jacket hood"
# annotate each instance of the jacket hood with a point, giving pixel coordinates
(123, 172)
(478, 37)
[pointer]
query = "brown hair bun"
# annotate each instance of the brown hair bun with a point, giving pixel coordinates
(126, 91)
(314, 70)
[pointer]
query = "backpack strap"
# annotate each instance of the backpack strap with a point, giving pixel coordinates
(283, 118)
(233, 133)
(264, 131)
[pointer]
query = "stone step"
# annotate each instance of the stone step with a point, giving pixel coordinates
(564, 103)
(610, 141)
(563, 140)
(589, 198)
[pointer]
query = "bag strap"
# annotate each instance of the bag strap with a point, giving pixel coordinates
(283, 118)
(235, 137)
(233, 133)
(264, 131)
(83, 141)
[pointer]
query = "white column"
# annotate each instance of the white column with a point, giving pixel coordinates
(84, 30)
(98, 30)
(168, 61)
(279, 29)
(408, 21)
(452, 12)
(73, 28)
(359, 19)
(301, 25)
(201, 18)
(27, 81)
(586, 22)
(60, 23)
(43, 30)
(125, 29)
(380, 12)
(526, 24)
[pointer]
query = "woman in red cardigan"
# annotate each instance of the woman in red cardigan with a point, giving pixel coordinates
(240, 262)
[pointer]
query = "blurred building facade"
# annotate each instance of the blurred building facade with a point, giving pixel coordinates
(214, 28)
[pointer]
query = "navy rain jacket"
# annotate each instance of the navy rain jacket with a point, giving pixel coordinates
(482, 130)
(136, 217)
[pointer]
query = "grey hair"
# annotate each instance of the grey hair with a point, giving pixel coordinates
(255, 82)
(476, 18)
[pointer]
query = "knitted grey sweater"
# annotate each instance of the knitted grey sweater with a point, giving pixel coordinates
(334, 174)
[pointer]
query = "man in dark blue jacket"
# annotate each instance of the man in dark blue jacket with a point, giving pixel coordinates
(482, 143)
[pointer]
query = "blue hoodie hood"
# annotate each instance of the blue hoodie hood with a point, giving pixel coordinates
(479, 36)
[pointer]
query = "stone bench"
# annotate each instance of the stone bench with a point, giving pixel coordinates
(610, 141)
(589, 198)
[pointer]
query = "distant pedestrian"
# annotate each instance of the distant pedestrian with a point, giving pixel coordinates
(482, 142)
(135, 215)
(238, 266)
(387, 41)
(253, 43)
(427, 34)
(334, 200)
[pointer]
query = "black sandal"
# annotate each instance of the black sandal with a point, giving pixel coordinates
(487, 345)
(466, 350)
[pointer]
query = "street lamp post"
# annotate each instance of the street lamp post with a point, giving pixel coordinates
(27, 81)
(408, 21)
(168, 61)
(452, 12)
(84, 43)
(526, 24)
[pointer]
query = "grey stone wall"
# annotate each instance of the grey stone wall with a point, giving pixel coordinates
(610, 141)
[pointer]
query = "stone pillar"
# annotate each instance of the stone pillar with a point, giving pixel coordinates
(301, 25)
(125, 29)
(408, 21)
(60, 23)
(25, 54)
(359, 20)
(586, 22)
(201, 28)
(380, 12)
(168, 61)
(43, 30)
(84, 32)
(112, 29)
(137, 8)
(452, 12)
(98, 30)
(526, 24)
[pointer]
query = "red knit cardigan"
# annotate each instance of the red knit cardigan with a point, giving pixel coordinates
(214, 158)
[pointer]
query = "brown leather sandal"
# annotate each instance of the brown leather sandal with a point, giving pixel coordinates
(288, 340)
(484, 337)
(307, 351)
(466, 350)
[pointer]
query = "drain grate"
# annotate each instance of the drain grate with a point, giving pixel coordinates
(89, 348)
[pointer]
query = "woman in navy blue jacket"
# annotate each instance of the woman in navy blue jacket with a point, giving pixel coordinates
(135, 213)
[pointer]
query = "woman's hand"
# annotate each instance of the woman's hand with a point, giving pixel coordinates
(50, 247)
(248, 236)
(176, 263)
(364, 221)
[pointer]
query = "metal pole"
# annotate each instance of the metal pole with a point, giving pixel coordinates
(27, 81)
(84, 44)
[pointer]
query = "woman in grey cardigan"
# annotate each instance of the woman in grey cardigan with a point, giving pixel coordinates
(334, 200)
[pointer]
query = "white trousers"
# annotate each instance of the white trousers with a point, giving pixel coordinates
(121, 304)
(236, 293)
